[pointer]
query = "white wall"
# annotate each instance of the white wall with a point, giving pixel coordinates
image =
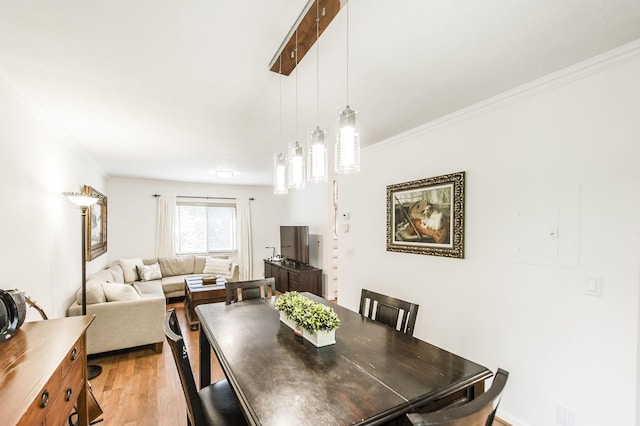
(41, 242)
(132, 215)
(570, 142)
(310, 206)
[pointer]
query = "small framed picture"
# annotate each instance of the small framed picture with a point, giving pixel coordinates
(426, 216)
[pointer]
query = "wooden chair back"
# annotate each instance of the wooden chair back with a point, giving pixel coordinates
(480, 411)
(173, 334)
(254, 289)
(393, 312)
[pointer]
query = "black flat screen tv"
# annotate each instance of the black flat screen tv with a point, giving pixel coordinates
(294, 244)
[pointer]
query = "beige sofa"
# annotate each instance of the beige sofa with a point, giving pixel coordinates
(130, 309)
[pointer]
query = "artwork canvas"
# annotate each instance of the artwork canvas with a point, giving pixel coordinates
(426, 216)
(96, 231)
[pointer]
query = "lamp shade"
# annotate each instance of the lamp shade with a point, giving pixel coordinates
(348, 142)
(280, 174)
(81, 199)
(296, 166)
(317, 162)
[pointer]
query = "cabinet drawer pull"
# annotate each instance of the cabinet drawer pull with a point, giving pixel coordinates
(44, 399)
(74, 354)
(67, 395)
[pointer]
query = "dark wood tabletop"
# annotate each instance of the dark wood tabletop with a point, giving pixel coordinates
(372, 374)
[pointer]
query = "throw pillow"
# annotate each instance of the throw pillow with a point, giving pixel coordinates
(149, 272)
(217, 266)
(198, 266)
(116, 292)
(95, 294)
(116, 273)
(129, 269)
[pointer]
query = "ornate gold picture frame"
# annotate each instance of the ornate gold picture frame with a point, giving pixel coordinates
(426, 216)
(96, 234)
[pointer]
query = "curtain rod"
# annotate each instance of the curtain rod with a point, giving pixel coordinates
(204, 198)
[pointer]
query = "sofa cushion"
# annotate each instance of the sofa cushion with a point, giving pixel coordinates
(116, 292)
(171, 266)
(149, 288)
(150, 261)
(102, 276)
(174, 283)
(217, 266)
(149, 272)
(198, 266)
(129, 268)
(95, 293)
(116, 272)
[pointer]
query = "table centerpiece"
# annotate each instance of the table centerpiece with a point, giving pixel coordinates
(314, 321)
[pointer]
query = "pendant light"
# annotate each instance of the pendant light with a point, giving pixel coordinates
(317, 161)
(280, 174)
(296, 151)
(279, 159)
(348, 137)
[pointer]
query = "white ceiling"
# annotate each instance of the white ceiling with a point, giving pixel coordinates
(172, 90)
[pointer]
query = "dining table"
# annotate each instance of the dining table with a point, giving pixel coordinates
(372, 375)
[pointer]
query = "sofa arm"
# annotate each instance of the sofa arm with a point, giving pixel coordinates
(235, 272)
(124, 324)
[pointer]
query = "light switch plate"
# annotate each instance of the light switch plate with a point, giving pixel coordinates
(593, 286)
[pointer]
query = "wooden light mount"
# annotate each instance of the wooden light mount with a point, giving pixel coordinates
(305, 27)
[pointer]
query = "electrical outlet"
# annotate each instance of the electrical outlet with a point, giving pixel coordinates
(564, 416)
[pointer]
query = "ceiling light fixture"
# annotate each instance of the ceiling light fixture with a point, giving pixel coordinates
(317, 164)
(279, 159)
(348, 137)
(224, 174)
(296, 151)
(303, 28)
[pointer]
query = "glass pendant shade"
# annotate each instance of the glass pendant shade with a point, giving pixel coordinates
(348, 142)
(296, 166)
(280, 174)
(317, 161)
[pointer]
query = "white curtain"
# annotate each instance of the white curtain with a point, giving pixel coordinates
(246, 249)
(165, 226)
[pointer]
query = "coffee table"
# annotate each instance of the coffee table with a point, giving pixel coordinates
(197, 293)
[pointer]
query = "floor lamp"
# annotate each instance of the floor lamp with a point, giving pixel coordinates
(84, 200)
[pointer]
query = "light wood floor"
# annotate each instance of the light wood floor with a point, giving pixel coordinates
(140, 387)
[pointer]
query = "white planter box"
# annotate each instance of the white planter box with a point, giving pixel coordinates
(290, 323)
(321, 338)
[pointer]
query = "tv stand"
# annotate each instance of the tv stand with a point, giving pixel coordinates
(292, 276)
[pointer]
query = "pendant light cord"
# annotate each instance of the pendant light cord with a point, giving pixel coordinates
(296, 56)
(280, 80)
(318, 62)
(347, 52)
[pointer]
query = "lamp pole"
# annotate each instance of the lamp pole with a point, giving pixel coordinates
(83, 201)
(83, 212)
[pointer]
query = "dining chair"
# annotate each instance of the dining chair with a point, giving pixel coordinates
(215, 404)
(393, 312)
(254, 289)
(479, 411)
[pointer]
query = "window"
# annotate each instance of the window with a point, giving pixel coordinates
(205, 228)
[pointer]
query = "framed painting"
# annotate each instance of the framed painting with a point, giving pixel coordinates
(96, 231)
(426, 216)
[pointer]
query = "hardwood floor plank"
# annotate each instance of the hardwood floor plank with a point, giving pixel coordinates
(139, 387)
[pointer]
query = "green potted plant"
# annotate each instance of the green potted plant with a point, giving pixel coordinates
(316, 322)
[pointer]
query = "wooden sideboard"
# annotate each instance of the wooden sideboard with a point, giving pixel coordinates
(43, 373)
(292, 278)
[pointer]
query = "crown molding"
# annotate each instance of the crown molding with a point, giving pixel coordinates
(594, 65)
